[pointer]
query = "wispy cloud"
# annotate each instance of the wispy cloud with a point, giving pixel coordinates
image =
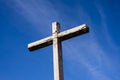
(91, 56)
(109, 63)
(36, 12)
(90, 53)
(104, 25)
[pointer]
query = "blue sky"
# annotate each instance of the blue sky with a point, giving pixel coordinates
(93, 56)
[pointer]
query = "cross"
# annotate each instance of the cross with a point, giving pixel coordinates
(56, 39)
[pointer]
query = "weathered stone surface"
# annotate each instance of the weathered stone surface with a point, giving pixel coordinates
(79, 30)
(57, 52)
(40, 43)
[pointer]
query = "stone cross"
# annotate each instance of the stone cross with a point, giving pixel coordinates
(56, 39)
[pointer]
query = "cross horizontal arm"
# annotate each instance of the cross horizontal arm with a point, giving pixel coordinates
(62, 36)
(40, 43)
(79, 30)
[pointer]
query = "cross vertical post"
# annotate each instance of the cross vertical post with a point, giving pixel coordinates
(57, 52)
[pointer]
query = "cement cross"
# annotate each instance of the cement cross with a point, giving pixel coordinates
(56, 39)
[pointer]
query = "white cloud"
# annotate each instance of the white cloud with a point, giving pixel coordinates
(105, 27)
(36, 12)
(90, 53)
